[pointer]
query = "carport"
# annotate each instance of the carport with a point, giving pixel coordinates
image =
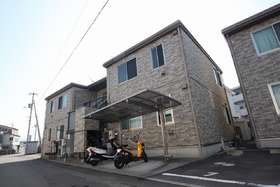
(139, 104)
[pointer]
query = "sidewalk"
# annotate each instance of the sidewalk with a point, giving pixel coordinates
(156, 165)
(140, 169)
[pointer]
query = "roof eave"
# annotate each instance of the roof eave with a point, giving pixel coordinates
(64, 89)
(253, 20)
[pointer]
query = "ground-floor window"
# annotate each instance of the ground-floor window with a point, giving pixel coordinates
(168, 117)
(132, 123)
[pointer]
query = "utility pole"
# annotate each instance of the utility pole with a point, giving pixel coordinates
(31, 107)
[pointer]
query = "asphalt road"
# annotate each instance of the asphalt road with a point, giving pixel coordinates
(31, 171)
(252, 168)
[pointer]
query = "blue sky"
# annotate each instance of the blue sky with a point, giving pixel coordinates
(37, 37)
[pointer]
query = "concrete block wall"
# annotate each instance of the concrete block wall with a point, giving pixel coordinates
(255, 73)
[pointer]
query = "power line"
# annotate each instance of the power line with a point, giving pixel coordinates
(67, 39)
(74, 49)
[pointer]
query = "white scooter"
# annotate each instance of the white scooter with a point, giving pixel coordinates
(95, 155)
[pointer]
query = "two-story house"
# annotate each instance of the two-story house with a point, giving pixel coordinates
(255, 45)
(65, 131)
(171, 64)
(9, 139)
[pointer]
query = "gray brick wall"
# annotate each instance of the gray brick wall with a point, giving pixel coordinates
(208, 97)
(255, 73)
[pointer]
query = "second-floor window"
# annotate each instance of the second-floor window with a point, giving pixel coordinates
(52, 107)
(267, 39)
(274, 90)
(127, 71)
(217, 77)
(157, 56)
(62, 101)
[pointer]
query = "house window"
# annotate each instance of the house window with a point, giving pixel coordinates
(52, 107)
(60, 132)
(62, 101)
(132, 123)
(167, 115)
(217, 77)
(157, 56)
(127, 71)
(226, 115)
(274, 90)
(267, 39)
(50, 134)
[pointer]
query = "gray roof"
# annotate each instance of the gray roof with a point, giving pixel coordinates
(253, 20)
(96, 86)
(71, 85)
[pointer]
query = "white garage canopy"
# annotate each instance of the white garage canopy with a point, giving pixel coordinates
(142, 103)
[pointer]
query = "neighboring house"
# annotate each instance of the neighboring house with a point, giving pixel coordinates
(235, 111)
(9, 138)
(172, 65)
(65, 130)
(238, 100)
(239, 113)
(255, 47)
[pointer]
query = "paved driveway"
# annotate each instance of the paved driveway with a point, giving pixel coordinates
(252, 168)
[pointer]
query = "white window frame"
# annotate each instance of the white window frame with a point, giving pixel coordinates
(151, 57)
(166, 123)
(277, 108)
(255, 43)
(164, 112)
(217, 76)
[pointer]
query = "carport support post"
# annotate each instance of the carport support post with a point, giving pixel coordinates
(162, 122)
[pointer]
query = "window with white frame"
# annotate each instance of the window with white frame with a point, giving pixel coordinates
(217, 77)
(157, 56)
(274, 90)
(167, 117)
(62, 101)
(132, 123)
(267, 39)
(127, 70)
